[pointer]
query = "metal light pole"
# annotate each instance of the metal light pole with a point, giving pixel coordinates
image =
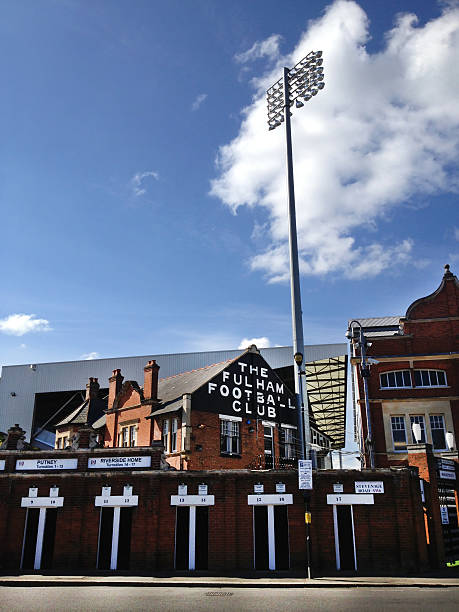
(299, 83)
(365, 373)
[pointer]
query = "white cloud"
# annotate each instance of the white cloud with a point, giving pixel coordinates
(198, 101)
(20, 324)
(137, 182)
(262, 342)
(23, 346)
(265, 48)
(385, 130)
(89, 356)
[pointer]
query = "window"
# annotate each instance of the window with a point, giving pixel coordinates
(132, 435)
(437, 428)
(230, 443)
(418, 419)
(174, 429)
(64, 441)
(430, 378)
(165, 437)
(400, 378)
(287, 442)
(59, 443)
(398, 433)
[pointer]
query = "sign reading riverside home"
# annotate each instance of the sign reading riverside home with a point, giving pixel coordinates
(118, 462)
(250, 389)
(46, 464)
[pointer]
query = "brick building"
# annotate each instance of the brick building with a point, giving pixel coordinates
(89, 510)
(413, 395)
(230, 415)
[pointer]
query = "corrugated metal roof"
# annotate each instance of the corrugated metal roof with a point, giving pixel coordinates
(26, 381)
(379, 321)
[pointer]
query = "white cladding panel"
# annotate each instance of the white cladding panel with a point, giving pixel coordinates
(25, 382)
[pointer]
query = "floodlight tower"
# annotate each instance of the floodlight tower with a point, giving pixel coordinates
(299, 83)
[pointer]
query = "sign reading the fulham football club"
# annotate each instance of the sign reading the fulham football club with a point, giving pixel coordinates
(118, 462)
(250, 389)
(46, 464)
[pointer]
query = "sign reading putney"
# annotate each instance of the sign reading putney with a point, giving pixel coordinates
(248, 388)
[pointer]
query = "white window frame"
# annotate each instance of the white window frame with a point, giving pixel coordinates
(235, 425)
(174, 435)
(398, 416)
(442, 417)
(418, 418)
(165, 437)
(429, 372)
(288, 444)
(395, 372)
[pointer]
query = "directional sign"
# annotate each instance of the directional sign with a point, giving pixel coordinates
(117, 500)
(192, 500)
(42, 502)
(349, 498)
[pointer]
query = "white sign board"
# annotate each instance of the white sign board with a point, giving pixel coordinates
(280, 487)
(192, 500)
(349, 499)
(337, 487)
(2, 464)
(371, 486)
(202, 489)
(444, 515)
(42, 502)
(114, 463)
(270, 500)
(258, 488)
(46, 464)
(447, 475)
(117, 500)
(304, 474)
(182, 489)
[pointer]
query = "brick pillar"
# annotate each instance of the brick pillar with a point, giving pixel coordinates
(422, 457)
(150, 381)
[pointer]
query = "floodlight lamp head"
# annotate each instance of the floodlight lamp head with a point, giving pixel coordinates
(299, 103)
(321, 85)
(318, 54)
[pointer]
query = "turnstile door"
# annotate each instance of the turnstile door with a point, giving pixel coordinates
(124, 539)
(346, 537)
(261, 537)
(30, 538)
(182, 537)
(105, 538)
(281, 537)
(48, 539)
(202, 537)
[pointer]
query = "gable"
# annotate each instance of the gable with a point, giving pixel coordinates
(442, 303)
(249, 388)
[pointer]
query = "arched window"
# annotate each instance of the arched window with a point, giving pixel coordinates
(396, 379)
(430, 378)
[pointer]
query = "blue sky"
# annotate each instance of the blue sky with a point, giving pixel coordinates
(143, 199)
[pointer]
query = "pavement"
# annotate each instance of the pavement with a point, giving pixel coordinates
(448, 577)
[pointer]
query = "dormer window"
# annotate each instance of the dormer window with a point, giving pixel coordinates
(399, 379)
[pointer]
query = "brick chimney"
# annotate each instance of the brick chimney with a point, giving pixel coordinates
(15, 434)
(92, 389)
(150, 381)
(115, 382)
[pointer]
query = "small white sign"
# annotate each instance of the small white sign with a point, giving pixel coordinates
(116, 500)
(182, 489)
(304, 474)
(349, 499)
(46, 464)
(2, 464)
(338, 487)
(202, 489)
(258, 488)
(192, 500)
(106, 491)
(372, 486)
(54, 492)
(33, 492)
(114, 463)
(444, 515)
(280, 487)
(270, 500)
(127, 491)
(42, 502)
(447, 475)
